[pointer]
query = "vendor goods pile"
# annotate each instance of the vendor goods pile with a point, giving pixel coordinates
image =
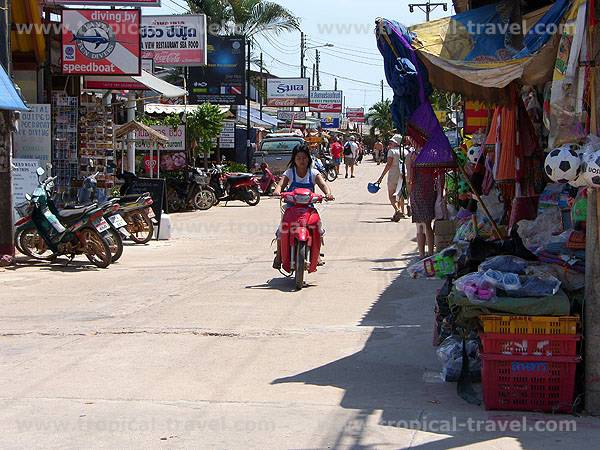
(529, 362)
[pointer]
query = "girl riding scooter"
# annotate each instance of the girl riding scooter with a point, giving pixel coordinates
(300, 174)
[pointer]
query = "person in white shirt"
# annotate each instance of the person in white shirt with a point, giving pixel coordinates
(395, 177)
(350, 155)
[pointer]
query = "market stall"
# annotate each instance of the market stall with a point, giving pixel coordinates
(510, 312)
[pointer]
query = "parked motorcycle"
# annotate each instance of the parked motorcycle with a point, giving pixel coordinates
(268, 181)
(299, 235)
(326, 167)
(191, 192)
(29, 242)
(234, 186)
(81, 237)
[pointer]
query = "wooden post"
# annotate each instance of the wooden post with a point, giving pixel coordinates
(592, 263)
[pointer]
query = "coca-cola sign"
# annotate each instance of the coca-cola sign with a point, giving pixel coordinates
(288, 92)
(174, 40)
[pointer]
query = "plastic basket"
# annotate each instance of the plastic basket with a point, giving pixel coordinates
(530, 344)
(529, 324)
(529, 383)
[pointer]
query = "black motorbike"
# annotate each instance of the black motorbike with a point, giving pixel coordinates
(190, 192)
(234, 186)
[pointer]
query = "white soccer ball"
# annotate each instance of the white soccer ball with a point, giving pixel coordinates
(591, 170)
(562, 164)
(580, 181)
(474, 153)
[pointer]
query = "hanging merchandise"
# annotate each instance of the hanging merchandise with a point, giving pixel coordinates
(474, 153)
(562, 164)
(412, 112)
(591, 171)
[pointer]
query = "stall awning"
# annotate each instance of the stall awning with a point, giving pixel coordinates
(470, 52)
(145, 81)
(9, 97)
(161, 108)
(26, 43)
(267, 120)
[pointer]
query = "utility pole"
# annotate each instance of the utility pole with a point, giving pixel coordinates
(318, 55)
(6, 213)
(381, 91)
(248, 142)
(427, 8)
(335, 85)
(313, 77)
(262, 85)
(302, 46)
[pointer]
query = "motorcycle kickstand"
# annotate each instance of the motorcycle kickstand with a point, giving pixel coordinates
(70, 260)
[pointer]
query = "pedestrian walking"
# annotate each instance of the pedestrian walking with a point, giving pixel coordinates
(350, 155)
(378, 151)
(361, 152)
(421, 186)
(336, 153)
(395, 178)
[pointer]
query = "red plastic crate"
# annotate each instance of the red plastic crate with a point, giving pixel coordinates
(529, 383)
(530, 344)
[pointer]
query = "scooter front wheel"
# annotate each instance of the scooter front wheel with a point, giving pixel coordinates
(115, 244)
(331, 174)
(95, 248)
(203, 199)
(300, 265)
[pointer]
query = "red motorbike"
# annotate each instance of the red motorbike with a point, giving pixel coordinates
(267, 182)
(299, 235)
(234, 186)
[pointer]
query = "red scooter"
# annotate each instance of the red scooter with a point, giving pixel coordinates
(268, 181)
(299, 235)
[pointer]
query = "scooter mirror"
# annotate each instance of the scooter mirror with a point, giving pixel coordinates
(28, 196)
(40, 171)
(48, 166)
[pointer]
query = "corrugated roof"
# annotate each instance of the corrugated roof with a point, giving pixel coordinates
(9, 97)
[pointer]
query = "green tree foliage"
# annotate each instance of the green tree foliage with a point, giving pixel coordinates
(380, 118)
(204, 125)
(245, 17)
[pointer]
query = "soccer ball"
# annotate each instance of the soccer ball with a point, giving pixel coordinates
(591, 173)
(580, 180)
(562, 164)
(474, 153)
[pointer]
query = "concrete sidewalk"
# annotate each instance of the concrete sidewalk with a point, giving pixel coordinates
(198, 343)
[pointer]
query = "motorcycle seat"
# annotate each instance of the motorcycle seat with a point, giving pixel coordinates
(240, 176)
(76, 212)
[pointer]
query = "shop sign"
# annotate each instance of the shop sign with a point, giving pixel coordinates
(326, 101)
(330, 121)
(227, 138)
(176, 138)
(288, 92)
(33, 139)
(288, 116)
(223, 80)
(355, 114)
(24, 180)
(174, 40)
(144, 3)
(101, 41)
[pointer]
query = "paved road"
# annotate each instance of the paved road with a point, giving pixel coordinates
(198, 343)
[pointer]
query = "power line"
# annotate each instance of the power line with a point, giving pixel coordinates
(375, 57)
(353, 60)
(185, 8)
(345, 47)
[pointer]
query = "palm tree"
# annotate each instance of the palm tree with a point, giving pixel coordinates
(380, 118)
(245, 17)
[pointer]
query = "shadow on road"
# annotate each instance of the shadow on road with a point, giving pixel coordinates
(282, 284)
(389, 376)
(57, 265)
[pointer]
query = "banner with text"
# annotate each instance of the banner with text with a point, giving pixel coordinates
(101, 41)
(288, 116)
(355, 114)
(326, 101)
(288, 92)
(33, 140)
(174, 40)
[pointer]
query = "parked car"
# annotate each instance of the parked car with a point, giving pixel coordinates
(276, 151)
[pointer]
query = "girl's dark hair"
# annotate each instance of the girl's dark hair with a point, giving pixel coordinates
(300, 148)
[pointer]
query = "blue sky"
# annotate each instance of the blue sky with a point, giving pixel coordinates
(348, 25)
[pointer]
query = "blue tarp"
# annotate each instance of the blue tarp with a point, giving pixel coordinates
(9, 97)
